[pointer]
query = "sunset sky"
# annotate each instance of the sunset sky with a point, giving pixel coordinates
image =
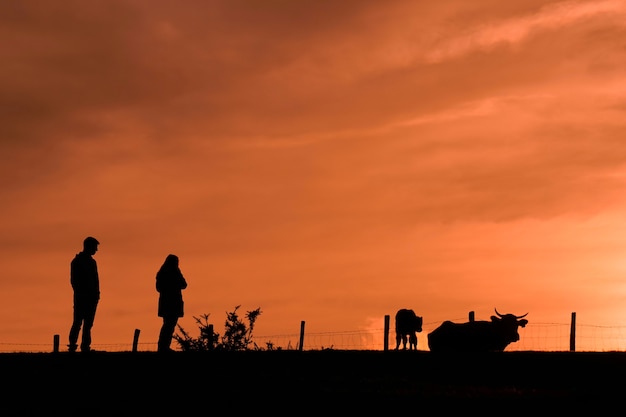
(326, 161)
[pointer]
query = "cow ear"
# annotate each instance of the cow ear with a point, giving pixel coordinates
(523, 322)
(494, 318)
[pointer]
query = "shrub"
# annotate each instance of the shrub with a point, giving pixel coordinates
(237, 334)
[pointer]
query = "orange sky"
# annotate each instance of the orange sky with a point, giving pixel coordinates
(326, 161)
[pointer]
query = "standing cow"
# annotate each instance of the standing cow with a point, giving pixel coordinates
(477, 336)
(407, 323)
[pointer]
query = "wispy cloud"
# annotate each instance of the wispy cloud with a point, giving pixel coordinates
(516, 30)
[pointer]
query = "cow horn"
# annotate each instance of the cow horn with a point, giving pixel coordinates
(517, 317)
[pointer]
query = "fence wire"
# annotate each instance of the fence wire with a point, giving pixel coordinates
(547, 337)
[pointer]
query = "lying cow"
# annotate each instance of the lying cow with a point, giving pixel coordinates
(407, 323)
(477, 336)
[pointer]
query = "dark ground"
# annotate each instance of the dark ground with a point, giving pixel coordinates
(328, 382)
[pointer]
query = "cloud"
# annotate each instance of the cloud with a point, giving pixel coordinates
(516, 30)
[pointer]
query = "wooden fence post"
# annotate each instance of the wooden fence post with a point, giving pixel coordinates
(55, 346)
(386, 345)
(572, 334)
(471, 316)
(135, 340)
(301, 336)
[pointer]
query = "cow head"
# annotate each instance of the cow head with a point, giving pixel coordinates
(419, 321)
(508, 325)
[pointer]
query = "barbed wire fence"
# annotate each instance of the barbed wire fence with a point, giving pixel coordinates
(543, 337)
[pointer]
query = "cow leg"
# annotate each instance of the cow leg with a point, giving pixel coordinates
(398, 338)
(413, 341)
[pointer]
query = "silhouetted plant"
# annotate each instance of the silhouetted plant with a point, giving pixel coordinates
(237, 335)
(206, 341)
(270, 346)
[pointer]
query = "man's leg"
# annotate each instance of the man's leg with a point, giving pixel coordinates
(90, 315)
(75, 330)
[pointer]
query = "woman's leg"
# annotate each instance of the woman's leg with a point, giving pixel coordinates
(166, 334)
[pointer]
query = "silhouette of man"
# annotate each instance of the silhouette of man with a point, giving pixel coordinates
(86, 285)
(169, 283)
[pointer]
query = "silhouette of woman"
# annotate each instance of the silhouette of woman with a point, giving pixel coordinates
(169, 283)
